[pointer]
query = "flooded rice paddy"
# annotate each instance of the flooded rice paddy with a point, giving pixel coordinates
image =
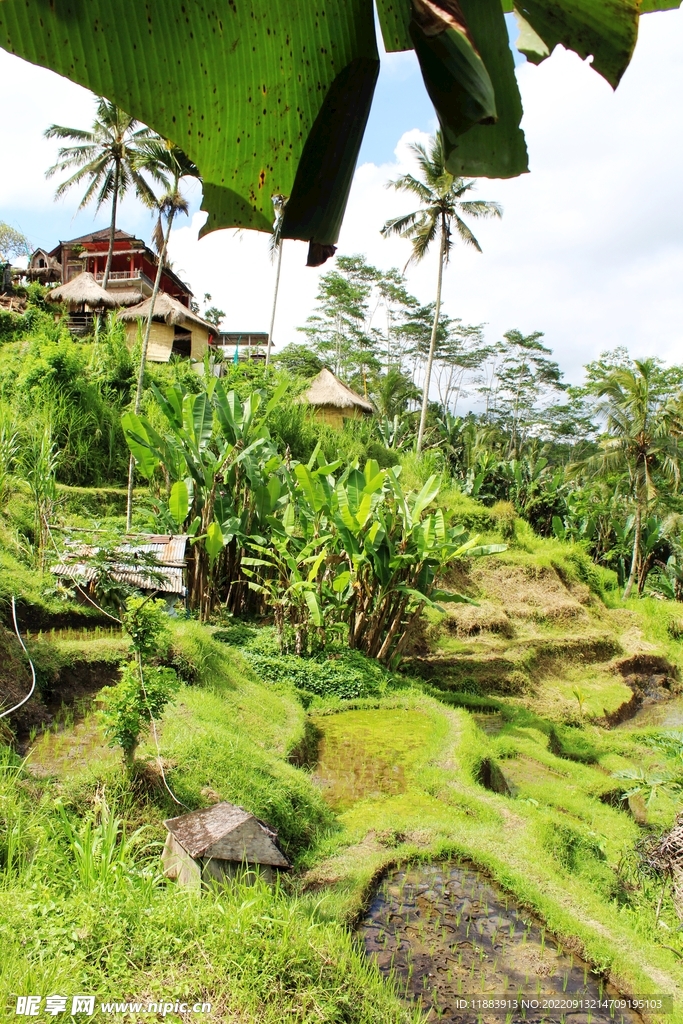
(367, 754)
(455, 945)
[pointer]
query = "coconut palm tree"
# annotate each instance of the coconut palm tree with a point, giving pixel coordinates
(163, 158)
(276, 244)
(440, 213)
(642, 440)
(106, 156)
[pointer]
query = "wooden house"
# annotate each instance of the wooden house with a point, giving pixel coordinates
(176, 330)
(333, 401)
(133, 266)
(218, 843)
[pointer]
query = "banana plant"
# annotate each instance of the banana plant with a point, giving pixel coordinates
(287, 112)
(352, 551)
(220, 467)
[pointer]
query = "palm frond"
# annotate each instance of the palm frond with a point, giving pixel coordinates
(465, 233)
(481, 208)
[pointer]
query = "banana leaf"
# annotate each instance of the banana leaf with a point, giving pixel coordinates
(272, 98)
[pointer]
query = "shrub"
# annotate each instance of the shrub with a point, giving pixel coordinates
(596, 577)
(503, 515)
(133, 702)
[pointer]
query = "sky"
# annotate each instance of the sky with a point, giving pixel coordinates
(589, 249)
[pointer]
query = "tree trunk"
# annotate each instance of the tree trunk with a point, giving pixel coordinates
(112, 227)
(432, 343)
(143, 361)
(272, 316)
(634, 558)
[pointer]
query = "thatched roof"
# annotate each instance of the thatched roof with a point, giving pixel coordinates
(169, 310)
(82, 289)
(328, 390)
(126, 296)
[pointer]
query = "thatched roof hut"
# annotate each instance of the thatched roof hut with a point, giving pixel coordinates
(81, 291)
(176, 330)
(217, 843)
(168, 309)
(333, 400)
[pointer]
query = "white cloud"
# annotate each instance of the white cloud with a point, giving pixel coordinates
(590, 249)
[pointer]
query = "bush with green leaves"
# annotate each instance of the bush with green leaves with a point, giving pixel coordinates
(146, 623)
(129, 706)
(144, 689)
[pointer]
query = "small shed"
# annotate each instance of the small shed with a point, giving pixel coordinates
(333, 401)
(218, 843)
(176, 330)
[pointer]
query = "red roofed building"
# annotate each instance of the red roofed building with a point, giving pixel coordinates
(133, 266)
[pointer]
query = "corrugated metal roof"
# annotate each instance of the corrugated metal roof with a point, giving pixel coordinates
(164, 575)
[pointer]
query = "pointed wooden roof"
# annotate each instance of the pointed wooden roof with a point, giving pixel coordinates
(227, 832)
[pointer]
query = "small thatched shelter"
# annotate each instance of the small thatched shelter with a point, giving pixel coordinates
(217, 843)
(333, 401)
(82, 292)
(176, 330)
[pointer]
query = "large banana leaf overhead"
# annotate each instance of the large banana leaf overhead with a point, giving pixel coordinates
(271, 97)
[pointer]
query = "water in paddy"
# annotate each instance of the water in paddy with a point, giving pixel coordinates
(452, 942)
(662, 714)
(365, 754)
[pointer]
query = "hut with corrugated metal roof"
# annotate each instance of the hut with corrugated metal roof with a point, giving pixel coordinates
(153, 564)
(333, 401)
(218, 843)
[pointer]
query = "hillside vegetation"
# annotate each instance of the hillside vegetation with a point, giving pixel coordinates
(390, 657)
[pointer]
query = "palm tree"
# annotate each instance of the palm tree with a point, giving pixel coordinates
(441, 211)
(161, 157)
(276, 243)
(642, 440)
(106, 157)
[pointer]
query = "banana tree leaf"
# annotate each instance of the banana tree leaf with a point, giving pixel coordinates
(272, 98)
(455, 77)
(450, 597)
(492, 150)
(179, 501)
(394, 21)
(313, 607)
(134, 431)
(529, 42)
(604, 29)
(647, 6)
(245, 88)
(214, 541)
(316, 205)
(198, 416)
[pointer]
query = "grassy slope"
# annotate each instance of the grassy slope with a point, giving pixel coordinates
(263, 955)
(256, 954)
